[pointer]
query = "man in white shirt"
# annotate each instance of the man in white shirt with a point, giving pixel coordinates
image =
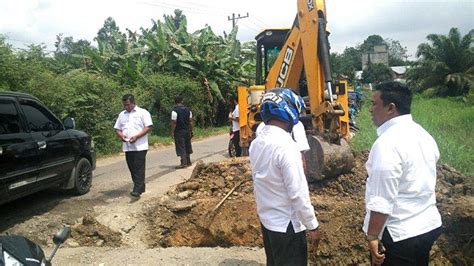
(281, 191)
(132, 127)
(298, 135)
(400, 195)
(236, 129)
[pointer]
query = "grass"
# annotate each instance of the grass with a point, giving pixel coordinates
(199, 133)
(449, 120)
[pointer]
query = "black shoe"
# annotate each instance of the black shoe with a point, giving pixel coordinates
(135, 194)
(181, 166)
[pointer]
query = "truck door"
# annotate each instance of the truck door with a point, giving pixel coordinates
(19, 155)
(55, 147)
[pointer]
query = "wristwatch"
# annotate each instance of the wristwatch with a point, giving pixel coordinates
(372, 237)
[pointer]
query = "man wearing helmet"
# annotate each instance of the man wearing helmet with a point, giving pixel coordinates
(281, 191)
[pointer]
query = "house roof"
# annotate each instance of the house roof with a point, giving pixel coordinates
(399, 70)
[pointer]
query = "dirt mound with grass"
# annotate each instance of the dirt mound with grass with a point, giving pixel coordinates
(216, 207)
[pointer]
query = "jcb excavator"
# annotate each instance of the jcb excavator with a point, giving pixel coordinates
(302, 64)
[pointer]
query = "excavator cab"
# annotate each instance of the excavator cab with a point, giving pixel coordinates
(268, 47)
(269, 43)
(298, 58)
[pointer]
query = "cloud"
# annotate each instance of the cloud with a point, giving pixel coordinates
(350, 22)
(406, 21)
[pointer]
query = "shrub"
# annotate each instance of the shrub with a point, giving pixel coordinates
(375, 73)
(157, 92)
(95, 103)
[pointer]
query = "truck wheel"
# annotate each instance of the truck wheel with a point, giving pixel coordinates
(82, 177)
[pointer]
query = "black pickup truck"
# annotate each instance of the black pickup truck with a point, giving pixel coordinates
(37, 151)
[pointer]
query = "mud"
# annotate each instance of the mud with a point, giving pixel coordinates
(339, 203)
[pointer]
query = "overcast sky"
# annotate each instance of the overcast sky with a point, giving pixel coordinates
(349, 21)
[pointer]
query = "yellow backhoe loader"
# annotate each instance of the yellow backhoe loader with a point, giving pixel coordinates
(302, 64)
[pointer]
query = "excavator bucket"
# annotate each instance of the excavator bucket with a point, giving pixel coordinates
(327, 160)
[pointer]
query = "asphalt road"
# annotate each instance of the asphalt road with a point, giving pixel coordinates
(160, 161)
(41, 214)
(111, 181)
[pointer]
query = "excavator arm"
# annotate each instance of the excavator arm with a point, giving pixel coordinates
(307, 48)
(305, 56)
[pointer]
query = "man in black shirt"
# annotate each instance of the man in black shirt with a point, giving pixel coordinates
(182, 131)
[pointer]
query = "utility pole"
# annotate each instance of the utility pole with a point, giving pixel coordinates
(234, 18)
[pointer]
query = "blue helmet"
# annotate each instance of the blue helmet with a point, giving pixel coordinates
(282, 104)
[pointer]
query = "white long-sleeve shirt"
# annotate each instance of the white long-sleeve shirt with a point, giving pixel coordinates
(280, 185)
(402, 179)
(298, 133)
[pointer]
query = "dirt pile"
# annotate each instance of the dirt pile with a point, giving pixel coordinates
(91, 233)
(190, 214)
(455, 197)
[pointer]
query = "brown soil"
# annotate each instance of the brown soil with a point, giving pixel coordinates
(91, 233)
(189, 215)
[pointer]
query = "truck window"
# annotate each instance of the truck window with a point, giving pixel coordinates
(9, 119)
(38, 117)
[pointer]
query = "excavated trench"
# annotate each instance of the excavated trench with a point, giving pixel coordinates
(190, 214)
(194, 213)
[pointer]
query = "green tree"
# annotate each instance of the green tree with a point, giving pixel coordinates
(445, 65)
(248, 62)
(353, 57)
(111, 37)
(157, 94)
(375, 73)
(94, 101)
(370, 42)
(397, 54)
(342, 67)
(12, 73)
(112, 44)
(69, 54)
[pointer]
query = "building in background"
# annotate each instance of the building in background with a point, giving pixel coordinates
(379, 55)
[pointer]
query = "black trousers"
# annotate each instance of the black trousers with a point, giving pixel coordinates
(236, 142)
(288, 248)
(136, 164)
(411, 251)
(182, 143)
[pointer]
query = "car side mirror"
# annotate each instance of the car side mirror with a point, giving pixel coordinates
(69, 123)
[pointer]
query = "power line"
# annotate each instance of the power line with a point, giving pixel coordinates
(234, 18)
(219, 10)
(265, 25)
(192, 8)
(250, 26)
(173, 6)
(260, 26)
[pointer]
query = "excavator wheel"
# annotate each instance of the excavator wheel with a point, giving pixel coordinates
(327, 160)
